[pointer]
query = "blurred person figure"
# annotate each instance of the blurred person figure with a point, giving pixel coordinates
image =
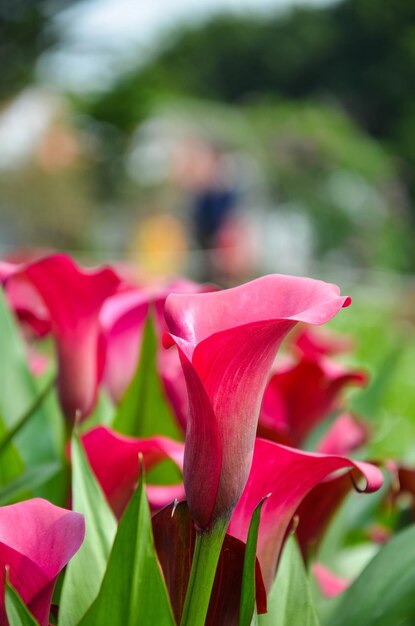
(211, 176)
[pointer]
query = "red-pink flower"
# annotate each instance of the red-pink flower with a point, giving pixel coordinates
(227, 343)
(314, 345)
(301, 395)
(114, 461)
(288, 475)
(24, 301)
(122, 318)
(330, 585)
(347, 433)
(37, 539)
(73, 298)
(318, 508)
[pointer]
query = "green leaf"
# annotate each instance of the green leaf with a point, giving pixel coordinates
(290, 602)
(85, 571)
(368, 401)
(144, 410)
(18, 392)
(247, 606)
(11, 464)
(103, 413)
(33, 478)
(21, 422)
(383, 594)
(133, 592)
(17, 612)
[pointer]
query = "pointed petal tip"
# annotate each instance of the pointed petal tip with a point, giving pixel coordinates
(167, 340)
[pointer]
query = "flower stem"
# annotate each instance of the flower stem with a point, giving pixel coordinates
(205, 560)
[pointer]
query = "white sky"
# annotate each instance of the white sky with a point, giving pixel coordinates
(102, 37)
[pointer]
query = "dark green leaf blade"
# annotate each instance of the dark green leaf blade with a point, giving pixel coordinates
(248, 589)
(383, 594)
(86, 570)
(290, 601)
(144, 410)
(133, 592)
(17, 612)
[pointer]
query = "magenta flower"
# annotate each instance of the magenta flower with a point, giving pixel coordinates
(288, 475)
(37, 539)
(122, 318)
(329, 584)
(347, 433)
(24, 301)
(73, 298)
(301, 395)
(114, 461)
(227, 342)
(314, 345)
(318, 508)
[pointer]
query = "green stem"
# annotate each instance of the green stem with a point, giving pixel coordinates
(205, 560)
(18, 425)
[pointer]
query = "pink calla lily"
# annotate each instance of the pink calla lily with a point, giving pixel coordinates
(316, 344)
(73, 298)
(114, 461)
(318, 508)
(300, 396)
(37, 539)
(122, 319)
(227, 343)
(347, 433)
(329, 584)
(288, 475)
(24, 301)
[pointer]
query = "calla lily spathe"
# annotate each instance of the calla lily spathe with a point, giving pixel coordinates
(287, 476)
(227, 343)
(37, 539)
(73, 297)
(114, 461)
(301, 395)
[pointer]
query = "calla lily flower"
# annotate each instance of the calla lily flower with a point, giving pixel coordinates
(347, 433)
(73, 298)
(329, 584)
(318, 508)
(114, 461)
(227, 342)
(37, 539)
(288, 475)
(25, 302)
(314, 344)
(122, 319)
(300, 396)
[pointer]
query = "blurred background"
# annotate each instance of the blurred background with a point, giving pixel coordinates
(216, 138)
(222, 139)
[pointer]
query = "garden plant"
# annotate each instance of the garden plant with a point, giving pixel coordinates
(160, 464)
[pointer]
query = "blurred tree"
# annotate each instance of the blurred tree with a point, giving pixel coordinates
(362, 52)
(24, 35)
